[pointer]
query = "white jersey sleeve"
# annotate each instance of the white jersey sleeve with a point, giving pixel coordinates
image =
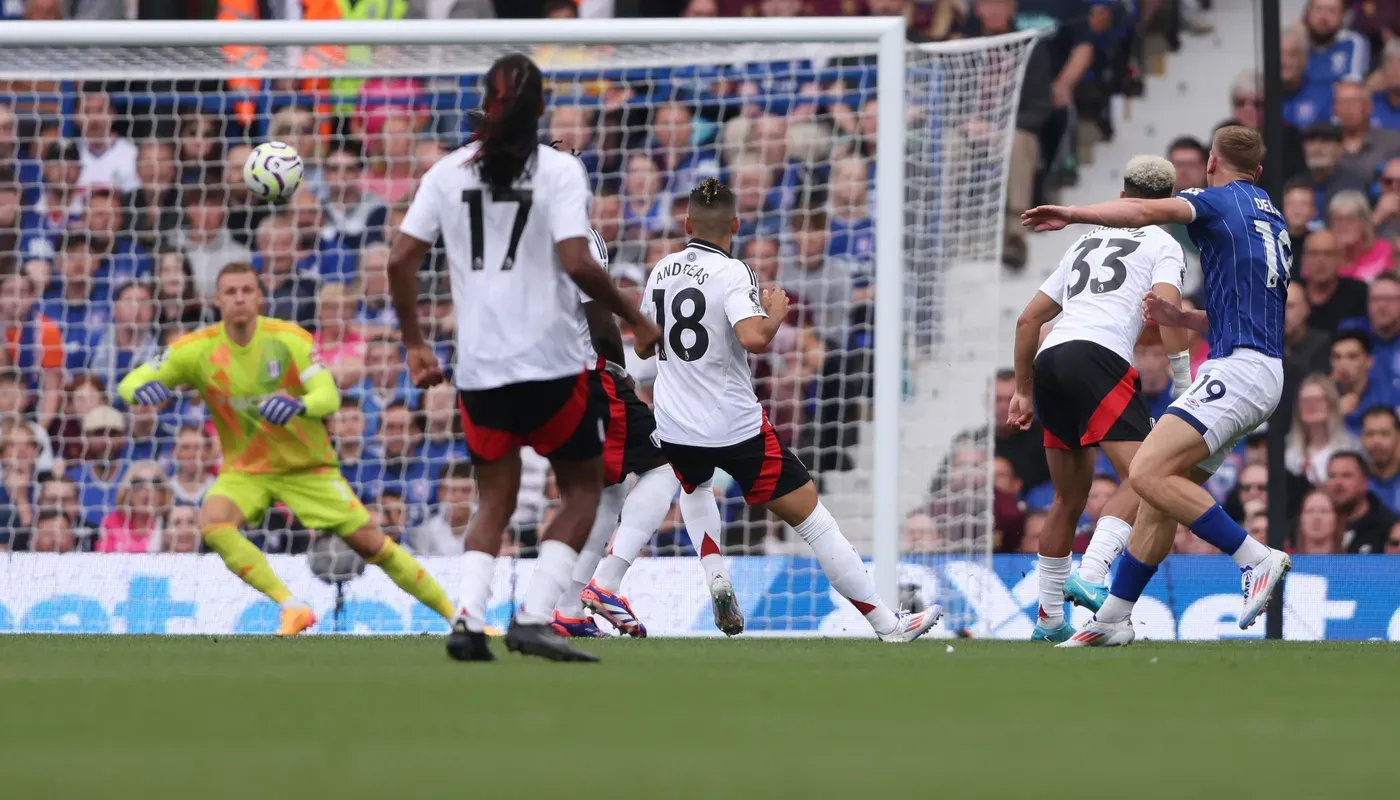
(423, 220)
(570, 202)
(1171, 265)
(1054, 286)
(741, 299)
(600, 254)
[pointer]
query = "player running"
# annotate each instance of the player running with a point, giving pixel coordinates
(1086, 390)
(1245, 255)
(708, 306)
(629, 449)
(513, 214)
(268, 396)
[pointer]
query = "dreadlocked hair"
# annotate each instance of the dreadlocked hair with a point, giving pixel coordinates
(506, 126)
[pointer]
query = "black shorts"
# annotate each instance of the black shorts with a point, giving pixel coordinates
(628, 448)
(561, 419)
(762, 466)
(1086, 394)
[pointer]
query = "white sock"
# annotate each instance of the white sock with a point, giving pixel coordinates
(474, 588)
(1115, 609)
(1110, 537)
(844, 569)
(1053, 574)
(603, 526)
(1251, 552)
(552, 570)
(646, 506)
(700, 511)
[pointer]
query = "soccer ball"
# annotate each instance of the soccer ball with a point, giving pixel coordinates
(273, 171)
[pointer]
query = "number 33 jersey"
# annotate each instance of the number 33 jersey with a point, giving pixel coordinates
(1100, 283)
(704, 387)
(517, 310)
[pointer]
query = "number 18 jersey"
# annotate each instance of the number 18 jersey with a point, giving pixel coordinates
(703, 394)
(1100, 283)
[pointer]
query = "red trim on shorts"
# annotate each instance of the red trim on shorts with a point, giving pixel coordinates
(615, 445)
(487, 443)
(564, 424)
(767, 481)
(687, 486)
(1110, 408)
(1053, 442)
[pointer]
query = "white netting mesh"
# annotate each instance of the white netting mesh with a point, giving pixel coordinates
(122, 168)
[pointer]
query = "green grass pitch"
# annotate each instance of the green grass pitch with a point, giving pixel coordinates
(395, 719)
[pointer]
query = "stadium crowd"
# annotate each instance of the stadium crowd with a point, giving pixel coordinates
(120, 202)
(1341, 199)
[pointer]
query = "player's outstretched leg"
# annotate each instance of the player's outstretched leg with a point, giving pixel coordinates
(700, 511)
(569, 617)
(401, 567)
(1072, 472)
(580, 487)
(802, 509)
(220, 520)
(1088, 586)
(646, 506)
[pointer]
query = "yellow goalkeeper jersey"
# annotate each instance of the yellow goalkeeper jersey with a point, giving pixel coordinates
(235, 380)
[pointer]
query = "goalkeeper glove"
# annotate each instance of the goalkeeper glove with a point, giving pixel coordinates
(1181, 372)
(279, 409)
(151, 394)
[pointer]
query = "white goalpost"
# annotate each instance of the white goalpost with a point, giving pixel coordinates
(872, 182)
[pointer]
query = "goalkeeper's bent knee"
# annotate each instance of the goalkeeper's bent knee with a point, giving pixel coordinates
(407, 574)
(244, 559)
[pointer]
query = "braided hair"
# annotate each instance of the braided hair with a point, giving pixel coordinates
(712, 194)
(506, 126)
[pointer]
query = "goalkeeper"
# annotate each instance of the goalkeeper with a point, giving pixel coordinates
(268, 395)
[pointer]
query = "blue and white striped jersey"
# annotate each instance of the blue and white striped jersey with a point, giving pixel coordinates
(1347, 58)
(1245, 256)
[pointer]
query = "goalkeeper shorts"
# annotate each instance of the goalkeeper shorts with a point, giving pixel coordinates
(320, 499)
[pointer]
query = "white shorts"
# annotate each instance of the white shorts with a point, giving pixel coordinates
(1230, 398)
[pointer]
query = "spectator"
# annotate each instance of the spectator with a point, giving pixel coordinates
(145, 441)
(390, 175)
(392, 512)
(290, 295)
(1364, 256)
(58, 493)
(107, 159)
(698, 9)
(1305, 102)
(1365, 147)
(643, 208)
(59, 207)
(445, 533)
(245, 214)
(297, 127)
(386, 380)
(1333, 298)
(1300, 212)
(442, 445)
(359, 463)
(758, 203)
(1364, 519)
(19, 454)
(181, 532)
(27, 172)
(1351, 368)
(1337, 53)
(1380, 438)
(852, 241)
(31, 343)
(152, 211)
(1392, 542)
(1247, 106)
(400, 432)
(316, 253)
(1189, 157)
(190, 477)
(1008, 512)
(352, 218)
(1382, 325)
(375, 317)
(178, 304)
(1317, 430)
(102, 467)
(53, 533)
(684, 163)
(1317, 531)
(205, 239)
(821, 286)
(337, 341)
(14, 403)
(130, 340)
(1252, 490)
(1306, 349)
(920, 535)
(560, 9)
(1256, 524)
(83, 394)
(1024, 449)
(1030, 538)
(1385, 103)
(201, 148)
(1386, 214)
(1322, 148)
(143, 499)
(607, 220)
(123, 259)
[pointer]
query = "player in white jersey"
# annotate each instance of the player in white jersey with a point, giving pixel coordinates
(630, 449)
(1086, 391)
(513, 215)
(712, 315)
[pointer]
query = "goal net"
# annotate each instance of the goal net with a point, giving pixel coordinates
(121, 197)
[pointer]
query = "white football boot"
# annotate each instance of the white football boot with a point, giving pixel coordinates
(911, 626)
(1101, 634)
(729, 618)
(1258, 583)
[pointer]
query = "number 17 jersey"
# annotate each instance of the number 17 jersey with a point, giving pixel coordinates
(704, 388)
(1100, 283)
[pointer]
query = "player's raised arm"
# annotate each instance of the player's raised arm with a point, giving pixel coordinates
(1125, 212)
(151, 383)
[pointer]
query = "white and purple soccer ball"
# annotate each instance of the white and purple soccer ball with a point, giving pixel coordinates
(273, 171)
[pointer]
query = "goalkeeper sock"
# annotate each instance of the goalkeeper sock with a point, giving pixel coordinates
(844, 569)
(609, 505)
(407, 574)
(244, 559)
(646, 506)
(474, 589)
(1053, 573)
(552, 570)
(1110, 537)
(702, 521)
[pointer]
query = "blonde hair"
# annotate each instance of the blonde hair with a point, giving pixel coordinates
(1350, 203)
(1153, 175)
(1336, 433)
(1239, 147)
(164, 495)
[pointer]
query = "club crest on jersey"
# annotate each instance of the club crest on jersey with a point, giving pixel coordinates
(274, 370)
